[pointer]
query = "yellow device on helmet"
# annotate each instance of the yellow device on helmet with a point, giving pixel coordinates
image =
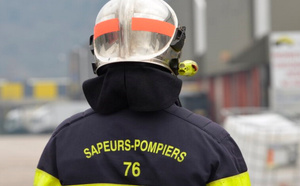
(187, 68)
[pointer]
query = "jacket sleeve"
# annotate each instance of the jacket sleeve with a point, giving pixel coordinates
(230, 168)
(46, 173)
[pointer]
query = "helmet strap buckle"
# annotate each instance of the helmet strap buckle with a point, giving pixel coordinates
(177, 45)
(91, 46)
(178, 41)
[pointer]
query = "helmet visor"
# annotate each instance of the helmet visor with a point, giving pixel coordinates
(139, 31)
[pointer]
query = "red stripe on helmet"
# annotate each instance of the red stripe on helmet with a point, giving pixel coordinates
(152, 25)
(104, 27)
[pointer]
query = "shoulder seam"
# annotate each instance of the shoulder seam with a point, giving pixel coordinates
(69, 122)
(202, 128)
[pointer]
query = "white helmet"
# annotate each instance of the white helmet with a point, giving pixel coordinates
(137, 31)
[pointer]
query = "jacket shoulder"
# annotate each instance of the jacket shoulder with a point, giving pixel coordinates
(72, 120)
(206, 125)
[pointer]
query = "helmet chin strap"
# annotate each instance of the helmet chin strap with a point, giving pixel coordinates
(92, 49)
(174, 65)
(179, 38)
(91, 44)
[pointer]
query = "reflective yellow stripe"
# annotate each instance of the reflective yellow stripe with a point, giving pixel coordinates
(42, 178)
(237, 180)
(103, 184)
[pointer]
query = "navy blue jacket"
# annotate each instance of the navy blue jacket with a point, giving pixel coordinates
(165, 147)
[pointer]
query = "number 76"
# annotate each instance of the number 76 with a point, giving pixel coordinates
(134, 166)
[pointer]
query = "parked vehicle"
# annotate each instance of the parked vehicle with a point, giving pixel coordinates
(42, 118)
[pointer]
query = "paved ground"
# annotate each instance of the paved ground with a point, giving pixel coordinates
(19, 155)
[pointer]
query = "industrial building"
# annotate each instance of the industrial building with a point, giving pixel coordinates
(234, 42)
(238, 45)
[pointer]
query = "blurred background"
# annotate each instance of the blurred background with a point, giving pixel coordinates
(248, 52)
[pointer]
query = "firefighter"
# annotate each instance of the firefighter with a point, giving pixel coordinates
(136, 132)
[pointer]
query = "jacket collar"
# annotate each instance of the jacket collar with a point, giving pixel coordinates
(137, 86)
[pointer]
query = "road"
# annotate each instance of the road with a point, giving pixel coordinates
(19, 155)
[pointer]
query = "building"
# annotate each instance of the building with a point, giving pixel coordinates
(80, 69)
(233, 41)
